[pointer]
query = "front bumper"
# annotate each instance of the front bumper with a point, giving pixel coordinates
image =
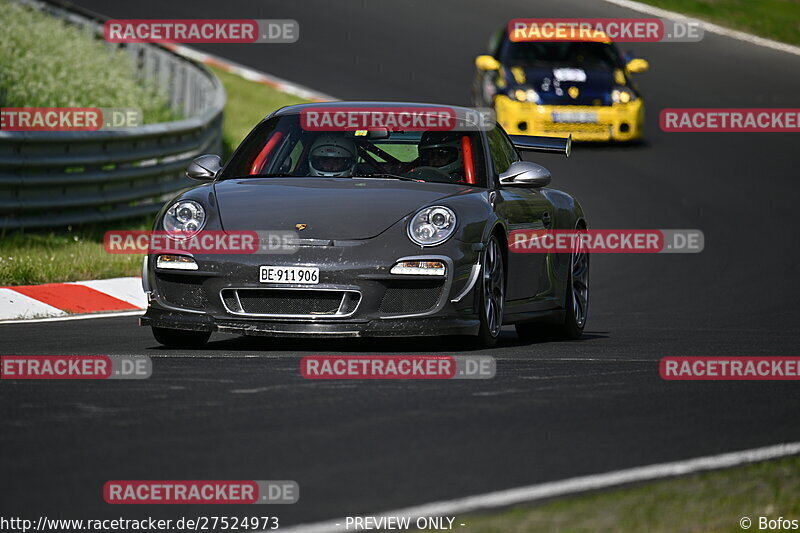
(374, 328)
(617, 122)
(377, 303)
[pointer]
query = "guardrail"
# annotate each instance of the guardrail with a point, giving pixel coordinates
(52, 179)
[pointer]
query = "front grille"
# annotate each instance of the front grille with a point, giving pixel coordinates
(411, 297)
(566, 127)
(584, 131)
(284, 302)
(230, 301)
(180, 291)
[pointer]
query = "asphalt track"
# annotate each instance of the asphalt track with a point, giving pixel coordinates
(240, 410)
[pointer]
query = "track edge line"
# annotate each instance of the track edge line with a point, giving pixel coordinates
(575, 485)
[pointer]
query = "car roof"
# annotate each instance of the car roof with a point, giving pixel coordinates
(290, 109)
(598, 36)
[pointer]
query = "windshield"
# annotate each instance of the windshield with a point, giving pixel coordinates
(579, 54)
(281, 147)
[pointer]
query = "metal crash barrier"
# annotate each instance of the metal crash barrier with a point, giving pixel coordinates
(64, 178)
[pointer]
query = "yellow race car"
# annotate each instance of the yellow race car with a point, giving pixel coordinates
(558, 88)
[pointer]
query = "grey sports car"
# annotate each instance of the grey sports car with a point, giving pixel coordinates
(395, 231)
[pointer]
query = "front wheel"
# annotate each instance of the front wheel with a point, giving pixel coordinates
(181, 338)
(492, 294)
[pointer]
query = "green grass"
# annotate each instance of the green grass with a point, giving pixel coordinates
(35, 257)
(69, 255)
(774, 19)
(45, 62)
(248, 103)
(711, 502)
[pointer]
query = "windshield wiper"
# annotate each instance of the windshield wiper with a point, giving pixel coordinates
(386, 176)
(286, 175)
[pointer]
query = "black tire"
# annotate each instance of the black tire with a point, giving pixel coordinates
(181, 338)
(569, 329)
(576, 306)
(491, 294)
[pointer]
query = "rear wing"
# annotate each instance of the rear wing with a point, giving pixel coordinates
(548, 145)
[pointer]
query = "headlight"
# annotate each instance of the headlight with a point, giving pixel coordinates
(185, 218)
(621, 95)
(432, 225)
(419, 268)
(527, 95)
(176, 262)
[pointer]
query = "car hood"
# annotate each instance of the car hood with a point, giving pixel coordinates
(598, 85)
(330, 208)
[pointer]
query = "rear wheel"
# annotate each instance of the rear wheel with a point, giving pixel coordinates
(492, 294)
(576, 304)
(181, 338)
(577, 298)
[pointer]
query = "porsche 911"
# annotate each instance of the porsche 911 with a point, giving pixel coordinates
(398, 232)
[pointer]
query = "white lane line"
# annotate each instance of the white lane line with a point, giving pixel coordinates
(531, 493)
(707, 26)
(15, 305)
(134, 312)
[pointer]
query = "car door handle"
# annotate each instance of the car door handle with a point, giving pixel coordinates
(546, 218)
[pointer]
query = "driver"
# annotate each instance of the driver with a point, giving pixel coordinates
(332, 156)
(442, 150)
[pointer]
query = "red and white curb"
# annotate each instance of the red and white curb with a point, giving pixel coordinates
(250, 74)
(120, 296)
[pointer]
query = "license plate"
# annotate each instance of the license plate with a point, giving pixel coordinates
(573, 117)
(273, 274)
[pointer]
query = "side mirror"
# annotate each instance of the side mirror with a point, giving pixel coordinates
(204, 168)
(638, 65)
(487, 62)
(525, 174)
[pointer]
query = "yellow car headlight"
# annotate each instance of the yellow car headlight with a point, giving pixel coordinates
(527, 95)
(622, 95)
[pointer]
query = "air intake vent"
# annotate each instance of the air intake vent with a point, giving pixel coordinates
(291, 303)
(411, 297)
(178, 291)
